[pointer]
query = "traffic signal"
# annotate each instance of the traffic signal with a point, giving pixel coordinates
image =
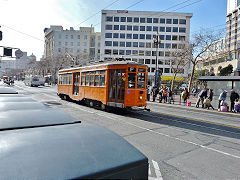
(7, 52)
(0, 35)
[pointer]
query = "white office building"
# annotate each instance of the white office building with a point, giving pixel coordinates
(129, 35)
(82, 44)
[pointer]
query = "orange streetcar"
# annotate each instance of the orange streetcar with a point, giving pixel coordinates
(117, 84)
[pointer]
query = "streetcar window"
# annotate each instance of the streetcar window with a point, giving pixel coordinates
(96, 82)
(87, 78)
(91, 78)
(70, 80)
(141, 70)
(141, 80)
(131, 80)
(83, 79)
(102, 78)
(132, 69)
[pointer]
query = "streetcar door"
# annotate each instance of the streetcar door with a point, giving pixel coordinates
(76, 81)
(116, 90)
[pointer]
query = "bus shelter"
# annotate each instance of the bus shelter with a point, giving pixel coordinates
(221, 83)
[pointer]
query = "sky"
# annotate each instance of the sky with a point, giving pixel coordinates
(23, 21)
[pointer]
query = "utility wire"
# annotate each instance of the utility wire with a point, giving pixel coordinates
(97, 13)
(22, 33)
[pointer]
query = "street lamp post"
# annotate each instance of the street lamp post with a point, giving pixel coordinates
(156, 42)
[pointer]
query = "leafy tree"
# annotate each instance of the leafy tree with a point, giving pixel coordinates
(226, 70)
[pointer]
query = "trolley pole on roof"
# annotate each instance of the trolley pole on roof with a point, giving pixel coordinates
(156, 42)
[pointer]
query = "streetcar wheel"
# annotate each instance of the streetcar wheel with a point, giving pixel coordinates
(103, 107)
(91, 104)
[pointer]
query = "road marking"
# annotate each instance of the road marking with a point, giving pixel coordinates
(157, 170)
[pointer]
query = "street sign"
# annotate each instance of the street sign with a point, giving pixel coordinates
(18, 53)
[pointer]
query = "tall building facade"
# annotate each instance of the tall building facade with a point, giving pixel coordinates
(82, 44)
(233, 34)
(129, 35)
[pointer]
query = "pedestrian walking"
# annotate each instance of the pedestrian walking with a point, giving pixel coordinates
(160, 95)
(170, 96)
(234, 97)
(221, 99)
(209, 99)
(201, 96)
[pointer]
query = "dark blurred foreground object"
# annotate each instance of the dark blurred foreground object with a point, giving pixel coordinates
(46, 143)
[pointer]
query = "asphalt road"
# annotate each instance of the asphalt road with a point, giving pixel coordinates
(177, 144)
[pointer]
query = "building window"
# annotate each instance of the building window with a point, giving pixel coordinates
(108, 43)
(129, 19)
(161, 45)
(155, 20)
(78, 36)
(147, 53)
(149, 20)
(162, 37)
(71, 36)
(108, 35)
(122, 44)
(136, 20)
(174, 38)
(155, 28)
(128, 44)
(108, 51)
(142, 36)
(162, 21)
(148, 45)
(115, 43)
(123, 19)
(142, 28)
(175, 29)
(115, 51)
(181, 38)
(78, 43)
(148, 36)
(116, 27)
(135, 36)
(109, 18)
(85, 37)
(161, 53)
(182, 30)
(129, 36)
(122, 35)
(135, 52)
(175, 21)
(116, 19)
(168, 45)
(128, 52)
(121, 52)
(135, 44)
(153, 61)
(108, 27)
(162, 29)
(71, 43)
(147, 61)
(135, 28)
(141, 53)
(174, 46)
(129, 28)
(182, 21)
(115, 35)
(169, 21)
(142, 20)
(141, 44)
(167, 54)
(168, 29)
(149, 28)
(168, 37)
(66, 36)
(166, 70)
(122, 27)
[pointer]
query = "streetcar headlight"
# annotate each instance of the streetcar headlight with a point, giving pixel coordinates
(140, 97)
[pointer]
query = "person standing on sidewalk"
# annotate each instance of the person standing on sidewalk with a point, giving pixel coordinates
(222, 97)
(233, 97)
(210, 98)
(160, 95)
(155, 92)
(201, 96)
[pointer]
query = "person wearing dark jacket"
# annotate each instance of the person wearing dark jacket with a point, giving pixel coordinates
(233, 97)
(201, 96)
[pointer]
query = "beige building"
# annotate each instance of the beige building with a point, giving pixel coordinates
(81, 45)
